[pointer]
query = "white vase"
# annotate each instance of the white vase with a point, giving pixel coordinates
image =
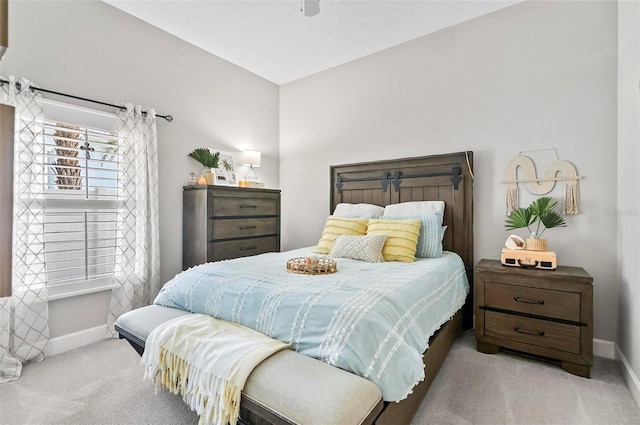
(209, 176)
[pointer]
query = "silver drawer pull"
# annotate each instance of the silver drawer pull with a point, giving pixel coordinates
(247, 227)
(248, 206)
(248, 248)
(522, 331)
(522, 300)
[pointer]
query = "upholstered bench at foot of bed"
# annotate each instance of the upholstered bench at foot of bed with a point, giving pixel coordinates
(287, 387)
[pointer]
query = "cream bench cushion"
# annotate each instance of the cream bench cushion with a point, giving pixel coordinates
(295, 387)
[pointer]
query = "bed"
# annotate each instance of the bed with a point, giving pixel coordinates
(446, 178)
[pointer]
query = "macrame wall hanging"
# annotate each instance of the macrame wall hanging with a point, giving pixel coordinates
(556, 171)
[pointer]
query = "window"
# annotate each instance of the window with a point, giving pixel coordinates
(80, 169)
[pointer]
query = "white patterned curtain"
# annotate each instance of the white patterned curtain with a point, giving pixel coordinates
(24, 321)
(137, 275)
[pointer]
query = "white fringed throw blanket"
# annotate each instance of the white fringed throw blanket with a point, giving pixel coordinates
(207, 361)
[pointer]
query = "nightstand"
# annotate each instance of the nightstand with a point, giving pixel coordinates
(543, 313)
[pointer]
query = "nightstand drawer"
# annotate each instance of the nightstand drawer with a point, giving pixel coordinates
(542, 333)
(227, 228)
(233, 207)
(243, 247)
(538, 301)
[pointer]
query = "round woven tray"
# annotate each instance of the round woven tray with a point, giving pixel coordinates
(323, 266)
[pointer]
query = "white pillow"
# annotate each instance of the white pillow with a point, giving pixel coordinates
(366, 248)
(413, 208)
(358, 210)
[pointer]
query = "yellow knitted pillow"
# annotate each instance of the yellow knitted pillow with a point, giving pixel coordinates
(336, 226)
(402, 238)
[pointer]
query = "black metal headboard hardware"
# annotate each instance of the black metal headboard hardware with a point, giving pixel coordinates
(455, 177)
(396, 178)
(384, 181)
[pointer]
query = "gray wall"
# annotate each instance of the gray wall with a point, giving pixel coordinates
(628, 209)
(536, 75)
(93, 50)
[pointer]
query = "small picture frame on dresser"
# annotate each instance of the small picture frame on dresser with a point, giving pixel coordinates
(226, 171)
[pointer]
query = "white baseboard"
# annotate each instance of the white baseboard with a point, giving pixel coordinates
(629, 375)
(610, 350)
(604, 348)
(76, 340)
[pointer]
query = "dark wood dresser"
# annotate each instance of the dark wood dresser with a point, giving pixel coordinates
(223, 222)
(538, 312)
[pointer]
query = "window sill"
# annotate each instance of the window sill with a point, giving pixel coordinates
(59, 292)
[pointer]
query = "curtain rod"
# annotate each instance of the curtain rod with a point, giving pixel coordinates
(169, 118)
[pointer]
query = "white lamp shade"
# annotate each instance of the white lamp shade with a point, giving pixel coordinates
(250, 158)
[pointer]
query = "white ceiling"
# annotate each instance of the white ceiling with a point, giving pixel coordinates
(273, 38)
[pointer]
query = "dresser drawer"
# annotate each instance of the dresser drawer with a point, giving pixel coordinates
(542, 333)
(242, 248)
(238, 207)
(228, 228)
(538, 301)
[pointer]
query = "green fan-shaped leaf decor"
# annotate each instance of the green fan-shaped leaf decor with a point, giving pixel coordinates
(541, 211)
(552, 219)
(522, 217)
(205, 157)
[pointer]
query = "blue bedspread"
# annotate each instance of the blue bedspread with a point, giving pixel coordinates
(373, 319)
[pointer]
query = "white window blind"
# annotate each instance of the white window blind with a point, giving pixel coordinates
(80, 170)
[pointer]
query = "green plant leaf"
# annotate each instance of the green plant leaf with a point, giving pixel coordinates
(541, 206)
(205, 157)
(541, 211)
(519, 218)
(552, 219)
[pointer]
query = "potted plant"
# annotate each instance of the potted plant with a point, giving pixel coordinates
(209, 161)
(537, 217)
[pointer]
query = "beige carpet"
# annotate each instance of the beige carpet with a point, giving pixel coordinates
(102, 384)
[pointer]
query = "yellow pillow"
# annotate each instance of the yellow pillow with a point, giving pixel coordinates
(336, 226)
(402, 238)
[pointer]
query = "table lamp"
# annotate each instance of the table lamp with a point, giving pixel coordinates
(250, 159)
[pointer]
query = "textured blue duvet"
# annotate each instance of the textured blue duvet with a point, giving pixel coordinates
(373, 319)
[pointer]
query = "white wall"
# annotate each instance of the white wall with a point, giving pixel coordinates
(628, 209)
(532, 76)
(90, 49)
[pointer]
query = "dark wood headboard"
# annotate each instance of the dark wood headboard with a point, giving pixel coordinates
(447, 178)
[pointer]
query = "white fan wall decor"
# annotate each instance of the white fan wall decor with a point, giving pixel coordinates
(559, 170)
